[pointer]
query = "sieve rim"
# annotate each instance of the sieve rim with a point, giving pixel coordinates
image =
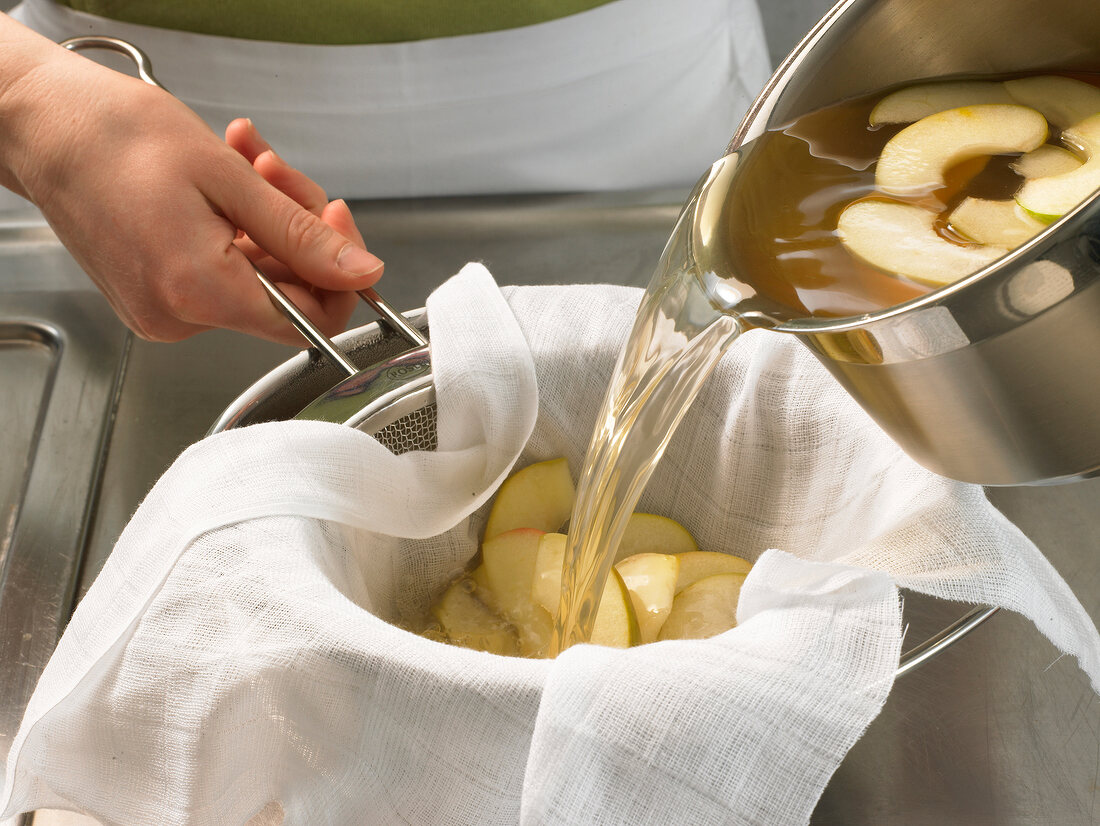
(356, 342)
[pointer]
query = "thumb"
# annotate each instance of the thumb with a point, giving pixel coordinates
(293, 235)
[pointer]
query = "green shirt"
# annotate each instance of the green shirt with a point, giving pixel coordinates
(334, 21)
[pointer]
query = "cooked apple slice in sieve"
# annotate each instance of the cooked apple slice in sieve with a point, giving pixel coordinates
(651, 533)
(546, 579)
(998, 223)
(651, 580)
(469, 622)
(539, 496)
(704, 609)
(913, 162)
(701, 564)
(912, 103)
(1063, 101)
(901, 239)
(616, 625)
(509, 561)
(1053, 196)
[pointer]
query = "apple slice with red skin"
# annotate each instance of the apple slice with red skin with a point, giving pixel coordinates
(509, 563)
(540, 496)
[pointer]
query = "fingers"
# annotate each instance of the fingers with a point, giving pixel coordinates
(281, 175)
(290, 181)
(243, 136)
(329, 307)
(329, 310)
(292, 234)
(338, 216)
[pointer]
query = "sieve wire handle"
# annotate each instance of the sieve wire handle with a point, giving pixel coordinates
(937, 643)
(288, 308)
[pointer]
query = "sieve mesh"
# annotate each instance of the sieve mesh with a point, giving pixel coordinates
(413, 431)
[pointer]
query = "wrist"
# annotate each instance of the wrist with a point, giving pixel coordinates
(24, 98)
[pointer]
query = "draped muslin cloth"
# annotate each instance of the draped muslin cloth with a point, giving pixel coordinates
(241, 657)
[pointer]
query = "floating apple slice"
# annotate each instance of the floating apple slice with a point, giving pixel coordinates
(1045, 161)
(704, 609)
(913, 162)
(1063, 101)
(539, 496)
(467, 621)
(651, 581)
(901, 239)
(649, 533)
(1052, 197)
(698, 565)
(1000, 223)
(509, 561)
(616, 625)
(915, 102)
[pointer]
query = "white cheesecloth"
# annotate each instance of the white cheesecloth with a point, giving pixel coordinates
(235, 661)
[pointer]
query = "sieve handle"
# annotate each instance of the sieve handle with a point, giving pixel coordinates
(306, 327)
(288, 308)
(937, 643)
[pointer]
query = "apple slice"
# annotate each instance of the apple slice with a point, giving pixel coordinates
(901, 239)
(1063, 101)
(1045, 161)
(913, 162)
(539, 496)
(616, 625)
(481, 581)
(1051, 197)
(509, 561)
(651, 581)
(915, 102)
(649, 533)
(704, 609)
(1000, 223)
(546, 581)
(701, 564)
(469, 622)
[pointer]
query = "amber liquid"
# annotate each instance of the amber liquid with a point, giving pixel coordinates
(757, 239)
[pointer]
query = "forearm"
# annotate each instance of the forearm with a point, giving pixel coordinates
(23, 95)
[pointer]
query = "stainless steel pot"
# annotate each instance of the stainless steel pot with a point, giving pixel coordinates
(994, 379)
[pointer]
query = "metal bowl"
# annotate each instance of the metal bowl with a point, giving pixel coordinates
(994, 379)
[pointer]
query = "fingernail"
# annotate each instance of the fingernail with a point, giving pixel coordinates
(275, 157)
(357, 261)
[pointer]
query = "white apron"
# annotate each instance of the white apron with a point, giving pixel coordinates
(634, 94)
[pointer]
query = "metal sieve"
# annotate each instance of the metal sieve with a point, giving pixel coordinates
(399, 410)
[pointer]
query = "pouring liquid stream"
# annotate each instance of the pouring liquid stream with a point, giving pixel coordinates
(687, 319)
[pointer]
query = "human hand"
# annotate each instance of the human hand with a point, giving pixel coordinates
(152, 204)
(315, 302)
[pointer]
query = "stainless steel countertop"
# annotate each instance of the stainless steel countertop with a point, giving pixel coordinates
(997, 730)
